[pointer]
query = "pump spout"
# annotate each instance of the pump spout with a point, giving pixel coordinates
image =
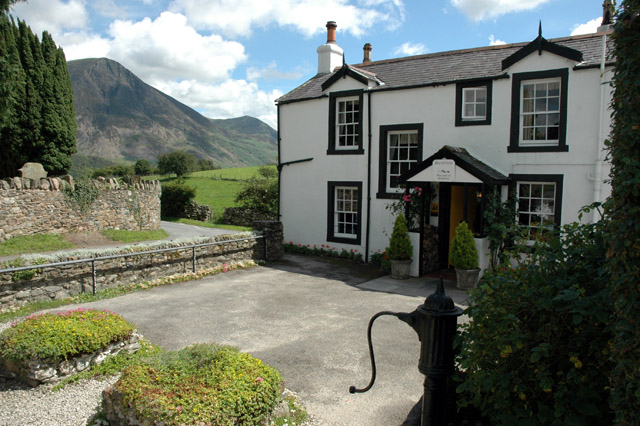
(406, 317)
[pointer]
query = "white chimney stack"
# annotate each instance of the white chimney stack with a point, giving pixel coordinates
(330, 55)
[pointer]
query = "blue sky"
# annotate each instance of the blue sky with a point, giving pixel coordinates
(228, 58)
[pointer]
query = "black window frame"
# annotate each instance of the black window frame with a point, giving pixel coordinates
(331, 191)
(334, 97)
(488, 84)
(541, 178)
(382, 170)
(517, 79)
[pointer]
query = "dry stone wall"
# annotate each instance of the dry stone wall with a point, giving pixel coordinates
(60, 282)
(29, 206)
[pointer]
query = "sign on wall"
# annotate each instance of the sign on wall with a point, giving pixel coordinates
(444, 170)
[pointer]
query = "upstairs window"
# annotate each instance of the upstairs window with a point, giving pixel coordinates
(345, 123)
(539, 111)
(473, 103)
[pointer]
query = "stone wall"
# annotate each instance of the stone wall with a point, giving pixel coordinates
(242, 216)
(197, 211)
(61, 282)
(30, 206)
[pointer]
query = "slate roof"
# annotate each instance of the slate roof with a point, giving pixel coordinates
(450, 67)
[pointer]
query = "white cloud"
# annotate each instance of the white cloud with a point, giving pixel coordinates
(53, 16)
(485, 9)
(78, 45)
(231, 98)
(495, 42)
(168, 49)
(271, 72)
(410, 49)
(237, 17)
(587, 28)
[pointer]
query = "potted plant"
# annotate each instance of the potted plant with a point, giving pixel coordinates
(463, 255)
(400, 249)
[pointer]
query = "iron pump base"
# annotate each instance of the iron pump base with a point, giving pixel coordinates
(435, 322)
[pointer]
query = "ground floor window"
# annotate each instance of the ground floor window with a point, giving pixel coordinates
(344, 212)
(539, 202)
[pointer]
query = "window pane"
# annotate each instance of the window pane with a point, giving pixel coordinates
(541, 90)
(527, 105)
(523, 219)
(552, 133)
(553, 119)
(481, 110)
(468, 110)
(554, 104)
(469, 95)
(527, 134)
(527, 91)
(536, 190)
(523, 190)
(541, 133)
(481, 95)
(523, 204)
(554, 88)
(541, 104)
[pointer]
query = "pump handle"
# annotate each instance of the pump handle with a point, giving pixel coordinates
(404, 317)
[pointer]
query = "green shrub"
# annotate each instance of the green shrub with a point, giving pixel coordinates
(175, 198)
(211, 384)
(463, 253)
(113, 171)
(260, 193)
(143, 167)
(56, 337)
(400, 247)
(537, 348)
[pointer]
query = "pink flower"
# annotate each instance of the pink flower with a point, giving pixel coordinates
(224, 267)
(179, 408)
(259, 379)
(406, 197)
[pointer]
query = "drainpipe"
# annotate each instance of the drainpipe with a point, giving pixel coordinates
(597, 173)
(366, 249)
(278, 159)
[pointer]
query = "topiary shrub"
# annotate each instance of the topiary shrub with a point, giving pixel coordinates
(201, 384)
(537, 348)
(175, 199)
(463, 253)
(400, 247)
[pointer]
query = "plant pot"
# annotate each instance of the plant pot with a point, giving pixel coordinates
(400, 269)
(466, 279)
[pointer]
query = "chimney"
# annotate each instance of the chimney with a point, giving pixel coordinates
(607, 16)
(367, 53)
(330, 55)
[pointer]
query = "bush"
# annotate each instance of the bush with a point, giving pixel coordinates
(201, 384)
(537, 348)
(400, 247)
(143, 167)
(175, 198)
(57, 337)
(463, 253)
(260, 194)
(177, 162)
(113, 171)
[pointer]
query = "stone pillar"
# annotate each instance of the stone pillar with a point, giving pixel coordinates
(273, 235)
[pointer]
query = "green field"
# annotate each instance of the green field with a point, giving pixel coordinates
(216, 188)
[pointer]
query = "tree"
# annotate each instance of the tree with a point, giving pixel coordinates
(143, 167)
(260, 193)
(178, 162)
(37, 117)
(6, 4)
(623, 208)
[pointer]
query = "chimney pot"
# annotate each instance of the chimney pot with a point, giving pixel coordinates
(367, 53)
(331, 31)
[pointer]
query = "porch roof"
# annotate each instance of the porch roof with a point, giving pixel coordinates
(467, 162)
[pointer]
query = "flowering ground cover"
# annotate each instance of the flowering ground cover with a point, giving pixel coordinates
(57, 337)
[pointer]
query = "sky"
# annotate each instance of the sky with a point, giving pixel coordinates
(230, 58)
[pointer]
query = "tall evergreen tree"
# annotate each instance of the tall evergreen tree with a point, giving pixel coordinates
(37, 117)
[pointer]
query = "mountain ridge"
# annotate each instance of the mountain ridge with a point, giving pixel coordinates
(120, 117)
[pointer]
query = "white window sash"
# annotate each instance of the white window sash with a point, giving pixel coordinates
(545, 114)
(411, 146)
(353, 210)
(475, 103)
(347, 124)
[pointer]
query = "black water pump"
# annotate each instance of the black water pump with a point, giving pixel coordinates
(435, 321)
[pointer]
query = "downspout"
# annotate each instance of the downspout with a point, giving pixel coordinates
(597, 172)
(278, 160)
(366, 249)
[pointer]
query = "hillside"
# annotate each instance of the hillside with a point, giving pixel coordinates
(120, 117)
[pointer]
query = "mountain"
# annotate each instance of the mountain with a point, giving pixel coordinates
(120, 117)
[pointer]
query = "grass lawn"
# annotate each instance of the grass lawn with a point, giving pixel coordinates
(215, 188)
(34, 244)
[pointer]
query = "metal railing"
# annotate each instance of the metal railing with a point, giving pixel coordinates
(93, 260)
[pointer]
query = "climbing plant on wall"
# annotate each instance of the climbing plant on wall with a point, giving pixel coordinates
(623, 208)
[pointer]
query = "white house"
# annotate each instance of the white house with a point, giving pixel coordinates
(530, 117)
